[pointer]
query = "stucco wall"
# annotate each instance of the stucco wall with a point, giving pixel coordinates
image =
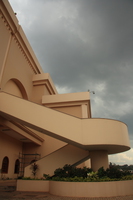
(3, 43)
(12, 88)
(48, 146)
(31, 185)
(78, 189)
(18, 60)
(9, 147)
(66, 155)
(18, 68)
(91, 189)
(71, 110)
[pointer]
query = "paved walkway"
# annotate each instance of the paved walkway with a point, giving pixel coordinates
(46, 196)
(14, 195)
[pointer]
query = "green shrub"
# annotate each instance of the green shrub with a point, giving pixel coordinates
(70, 171)
(73, 174)
(102, 172)
(128, 177)
(20, 177)
(59, 173)
(114, 172)
(46, 176)
(92, 176)
(26, 178)
(126, 173)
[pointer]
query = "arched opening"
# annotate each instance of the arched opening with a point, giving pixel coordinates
(5, 164)
(21, 87)
(15, 87)
(16, 167)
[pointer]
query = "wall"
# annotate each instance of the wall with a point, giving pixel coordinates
(78, 189)
(9, 147)
(91, 189)
(12, 88)
(17, 58)
(66, 155)
(18, 65)
(33, 186)
(48, 146)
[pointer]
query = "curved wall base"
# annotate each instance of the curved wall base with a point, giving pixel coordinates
(78, 189)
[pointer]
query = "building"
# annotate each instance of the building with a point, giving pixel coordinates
(37, 123)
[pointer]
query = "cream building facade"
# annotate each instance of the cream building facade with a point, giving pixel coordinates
(37, 123)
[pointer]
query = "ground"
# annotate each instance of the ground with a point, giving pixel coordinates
(7, 192)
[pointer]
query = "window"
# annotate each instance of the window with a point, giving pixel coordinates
(16, 168)
(5, 165)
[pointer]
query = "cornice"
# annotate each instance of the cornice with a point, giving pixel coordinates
(15, 30)
(44, 79)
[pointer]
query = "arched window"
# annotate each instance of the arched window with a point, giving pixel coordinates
(17, 165)
(5, 164)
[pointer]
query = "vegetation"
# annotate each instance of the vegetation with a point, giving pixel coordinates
(70, 171)
(72, 174)
(123, 167)
(34, 168)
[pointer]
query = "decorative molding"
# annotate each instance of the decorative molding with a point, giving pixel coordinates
(44, 79)
(5, 22)
(17, 37)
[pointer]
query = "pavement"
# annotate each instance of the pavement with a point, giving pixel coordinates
(7, 192)
(47, 196)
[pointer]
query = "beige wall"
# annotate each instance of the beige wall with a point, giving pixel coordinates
(66, 155)
(75, 104)
(30, 186)
(37, 93)
(18, 76)
(71, 110)
(79, 189)
(17, 69)
(9, 147)
(4, 43)
(48, 146)
(12, 88)
(91, 189)
(17, 60)
(91, 134)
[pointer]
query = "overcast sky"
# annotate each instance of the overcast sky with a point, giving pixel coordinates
(86, 45)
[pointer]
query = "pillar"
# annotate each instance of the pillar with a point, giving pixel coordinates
(99, 158)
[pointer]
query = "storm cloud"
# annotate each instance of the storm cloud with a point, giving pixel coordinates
(85, 45)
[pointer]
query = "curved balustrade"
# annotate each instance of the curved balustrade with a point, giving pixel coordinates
(90, 134)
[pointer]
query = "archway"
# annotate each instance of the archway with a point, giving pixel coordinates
(17, 166)
(5, 164)
(15, 87)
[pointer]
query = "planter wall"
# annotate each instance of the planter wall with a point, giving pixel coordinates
(32, 185)
(78, 189)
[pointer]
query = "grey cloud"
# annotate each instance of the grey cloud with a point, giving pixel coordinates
(85, 44)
